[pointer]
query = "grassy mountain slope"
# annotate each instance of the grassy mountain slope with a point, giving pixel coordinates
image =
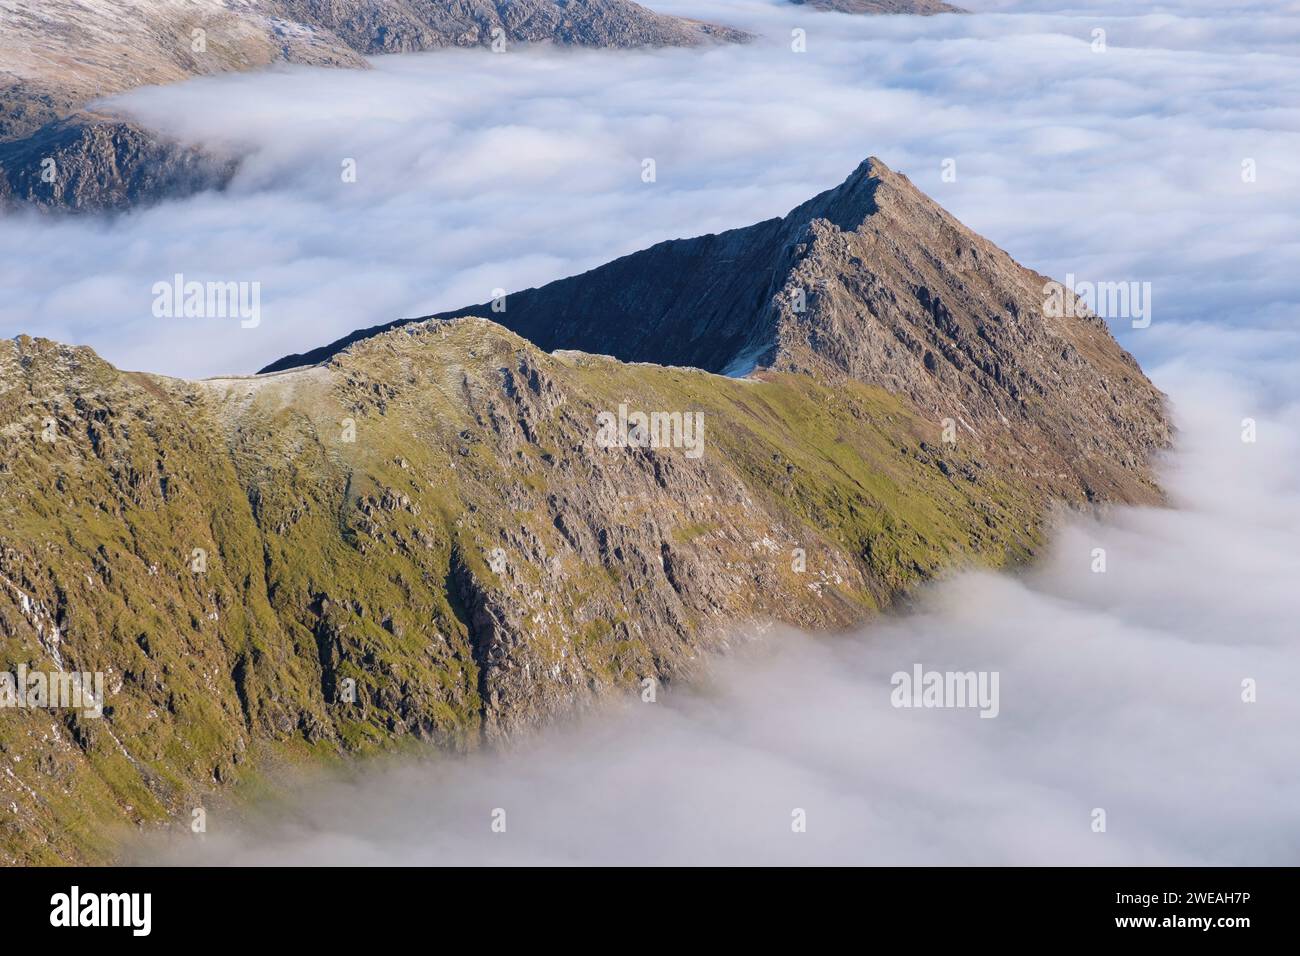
(472, 559)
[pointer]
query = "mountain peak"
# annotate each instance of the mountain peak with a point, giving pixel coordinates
(871, 281)
(846, 206)
(849, 204)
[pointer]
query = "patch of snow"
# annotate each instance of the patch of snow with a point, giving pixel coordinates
(746, 360)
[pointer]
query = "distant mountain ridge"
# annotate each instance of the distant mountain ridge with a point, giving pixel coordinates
(56, 56)
(922, 7)
(401, 26)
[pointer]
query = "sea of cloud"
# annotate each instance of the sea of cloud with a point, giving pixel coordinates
(477, 171)
(1119, 691)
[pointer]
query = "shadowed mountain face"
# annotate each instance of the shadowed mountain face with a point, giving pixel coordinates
(57, 56)
(870, 281)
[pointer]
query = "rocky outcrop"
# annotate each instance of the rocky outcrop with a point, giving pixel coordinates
(88, 163)
(26, 106)
(872, 281)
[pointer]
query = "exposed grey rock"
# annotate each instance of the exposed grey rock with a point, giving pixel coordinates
(25, 107)
(92, 163)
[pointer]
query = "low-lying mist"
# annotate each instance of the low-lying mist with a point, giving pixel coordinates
(1119, 691)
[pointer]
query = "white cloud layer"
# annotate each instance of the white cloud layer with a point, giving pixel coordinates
(477, 171)
(1119, 691)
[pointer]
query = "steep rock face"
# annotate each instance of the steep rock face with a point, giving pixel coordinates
(421, 538)
(873, 281)
(56, 56)
(898, 293)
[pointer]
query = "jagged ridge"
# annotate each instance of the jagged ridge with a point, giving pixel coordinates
(372, 560)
